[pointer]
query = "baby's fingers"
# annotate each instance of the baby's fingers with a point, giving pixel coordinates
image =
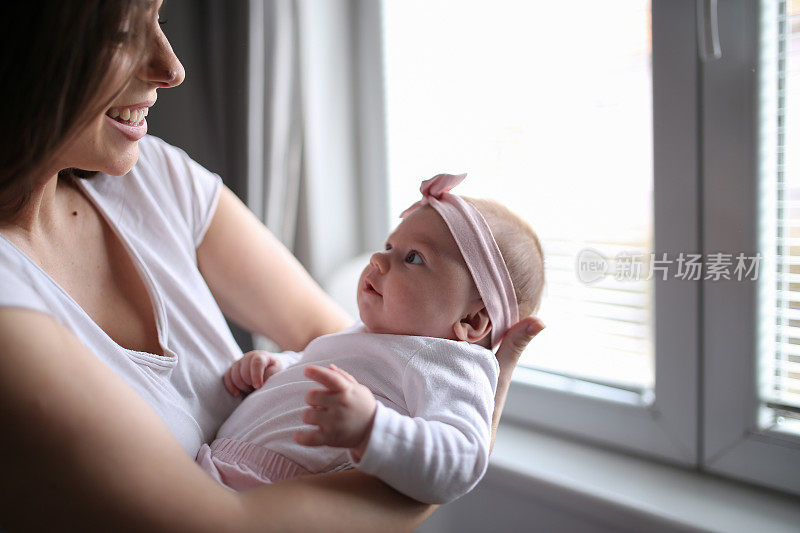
(256, 369)
(231, 388)
(346, 375)
(314, 437)
(326, 377)
(313, 417)
(309, 438)
(236, 376)
(320, 398)
(273, 367)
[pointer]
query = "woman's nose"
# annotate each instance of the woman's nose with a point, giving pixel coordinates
(380, 261)
(161, 66)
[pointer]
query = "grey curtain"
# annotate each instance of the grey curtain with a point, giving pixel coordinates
(275, 134)
(284, 100)
(207, 114)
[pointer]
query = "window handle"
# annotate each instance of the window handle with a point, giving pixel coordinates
(708, 30)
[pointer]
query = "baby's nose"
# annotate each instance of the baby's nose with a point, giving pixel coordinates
(379, 261)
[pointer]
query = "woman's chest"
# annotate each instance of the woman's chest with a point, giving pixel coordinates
(87, 259)
(105, 282)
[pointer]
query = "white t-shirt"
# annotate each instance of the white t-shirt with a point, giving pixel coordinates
(430, 437)
(160, 210)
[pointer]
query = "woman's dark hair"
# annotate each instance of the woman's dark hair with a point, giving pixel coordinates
(56, 69)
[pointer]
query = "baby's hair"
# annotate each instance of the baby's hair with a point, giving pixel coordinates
(521, 251)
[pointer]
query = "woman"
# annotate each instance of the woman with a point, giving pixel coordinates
(111, 342)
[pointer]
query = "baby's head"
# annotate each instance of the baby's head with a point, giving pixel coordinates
(521, 250)
(421, 285)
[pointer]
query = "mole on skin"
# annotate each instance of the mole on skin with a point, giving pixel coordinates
(74, 213)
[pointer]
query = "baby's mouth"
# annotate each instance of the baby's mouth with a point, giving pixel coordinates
(371, 288)
(128, 115)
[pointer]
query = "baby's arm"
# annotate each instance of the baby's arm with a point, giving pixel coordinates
(436, 456)
(441, 451)
(254, 368)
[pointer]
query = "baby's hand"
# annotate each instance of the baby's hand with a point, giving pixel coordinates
(343, 412)
(250, 372)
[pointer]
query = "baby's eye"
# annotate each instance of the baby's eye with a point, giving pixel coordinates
(387, 247)
(414, 258)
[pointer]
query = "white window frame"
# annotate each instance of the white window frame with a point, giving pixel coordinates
(733, 445)
(663, 425)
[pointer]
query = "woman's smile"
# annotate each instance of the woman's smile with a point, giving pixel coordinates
(130, 120)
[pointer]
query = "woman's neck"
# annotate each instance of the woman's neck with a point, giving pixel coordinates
(43, 213)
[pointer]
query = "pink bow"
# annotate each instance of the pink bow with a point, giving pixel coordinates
(435, 187)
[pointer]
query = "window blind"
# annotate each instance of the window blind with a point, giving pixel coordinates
(610, 317)
(780, 131)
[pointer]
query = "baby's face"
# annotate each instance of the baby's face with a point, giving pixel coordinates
(420, 284)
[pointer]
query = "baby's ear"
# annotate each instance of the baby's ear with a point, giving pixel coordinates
(473, 327)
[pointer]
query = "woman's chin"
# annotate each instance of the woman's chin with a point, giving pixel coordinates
(123, 163)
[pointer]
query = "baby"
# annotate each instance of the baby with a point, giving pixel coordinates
(409, 391)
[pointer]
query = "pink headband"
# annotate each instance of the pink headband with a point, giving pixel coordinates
(477, 245)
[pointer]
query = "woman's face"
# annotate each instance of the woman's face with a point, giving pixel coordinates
(110, 142)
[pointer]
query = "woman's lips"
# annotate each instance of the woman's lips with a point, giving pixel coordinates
(132, 133)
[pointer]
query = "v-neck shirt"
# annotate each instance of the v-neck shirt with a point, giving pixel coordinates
(160, 211)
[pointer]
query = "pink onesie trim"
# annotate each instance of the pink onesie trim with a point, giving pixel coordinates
(243, 465)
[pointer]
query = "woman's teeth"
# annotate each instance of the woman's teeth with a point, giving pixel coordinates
(128, 116)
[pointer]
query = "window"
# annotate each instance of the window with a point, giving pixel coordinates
(553, 114)
(563, 139)
(750, 389)
(615, 127)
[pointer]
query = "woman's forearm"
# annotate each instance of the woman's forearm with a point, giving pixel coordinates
(346, 501)
(82, 451)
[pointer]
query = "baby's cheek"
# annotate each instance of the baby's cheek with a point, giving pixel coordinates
(406, 304)
(430, 316)
(404, 310)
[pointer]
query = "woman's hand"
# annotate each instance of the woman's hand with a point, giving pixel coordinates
(514, 342)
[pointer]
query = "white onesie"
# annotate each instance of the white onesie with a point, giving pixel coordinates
(430, 437)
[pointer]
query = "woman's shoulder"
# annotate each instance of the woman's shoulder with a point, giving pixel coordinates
(169, 163)
(20, 287)
(155, 150)
(151, 146)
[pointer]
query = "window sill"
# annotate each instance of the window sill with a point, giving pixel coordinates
(632, 492)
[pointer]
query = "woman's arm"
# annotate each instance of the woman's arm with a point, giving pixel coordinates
(259, 284)
(81, 450)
